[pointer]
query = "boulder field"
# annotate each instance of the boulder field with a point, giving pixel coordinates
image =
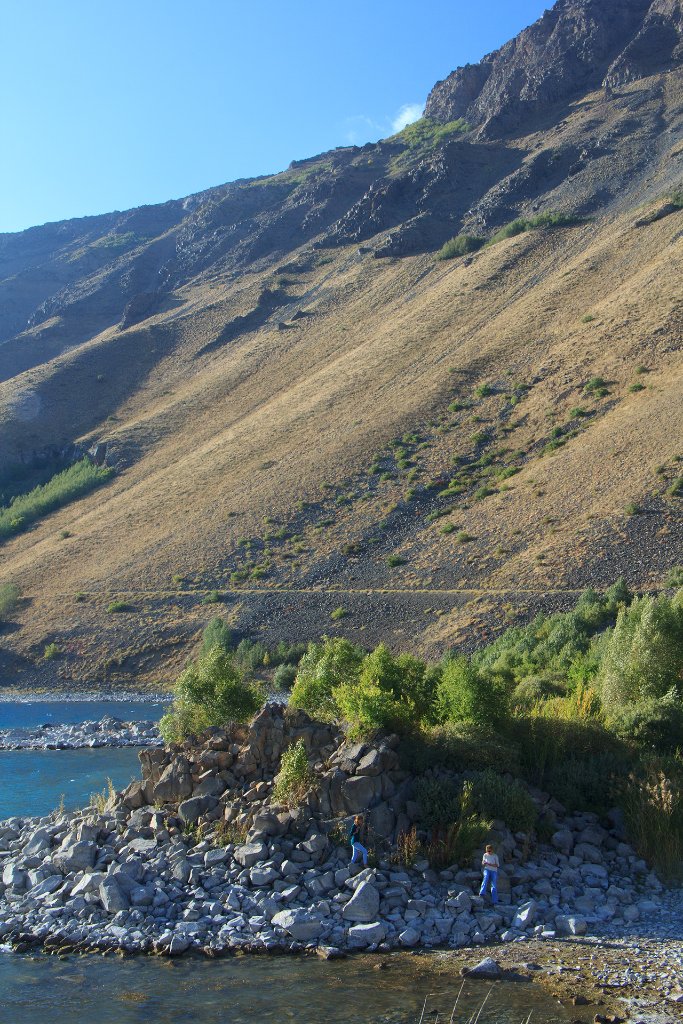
(198, 855)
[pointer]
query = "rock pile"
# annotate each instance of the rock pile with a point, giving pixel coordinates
(197, 855)
(108, 732)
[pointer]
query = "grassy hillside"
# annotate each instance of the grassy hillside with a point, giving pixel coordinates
(398, 448)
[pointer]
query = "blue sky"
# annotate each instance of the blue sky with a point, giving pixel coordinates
(109, 104)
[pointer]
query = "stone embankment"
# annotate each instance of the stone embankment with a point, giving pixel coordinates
(108, 732)
(197, 855)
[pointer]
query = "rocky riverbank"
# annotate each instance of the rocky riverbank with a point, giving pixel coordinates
(198, 856)
(107, 732)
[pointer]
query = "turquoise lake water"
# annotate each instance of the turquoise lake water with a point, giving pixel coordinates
(29, 714)
(33, 781)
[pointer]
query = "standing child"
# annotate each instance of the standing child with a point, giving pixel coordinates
(490, 864)
(353, 838)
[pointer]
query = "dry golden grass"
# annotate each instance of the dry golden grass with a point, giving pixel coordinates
(216, 441)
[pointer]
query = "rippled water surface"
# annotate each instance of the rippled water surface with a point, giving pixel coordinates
(258, 989)
(34, 781)
(29, 714)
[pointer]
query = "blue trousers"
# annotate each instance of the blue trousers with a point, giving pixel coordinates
(356, 847)
(490, 875)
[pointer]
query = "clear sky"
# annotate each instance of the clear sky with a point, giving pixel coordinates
(109, 104)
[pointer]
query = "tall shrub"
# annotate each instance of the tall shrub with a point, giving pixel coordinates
(643, 657)
(209, 692)
(463, 694)
(324, 666)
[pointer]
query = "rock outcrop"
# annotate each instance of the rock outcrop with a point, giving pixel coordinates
(575, 47)
(199, 856)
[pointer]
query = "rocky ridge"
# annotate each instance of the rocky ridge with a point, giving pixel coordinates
(197, 855)
(575, 47)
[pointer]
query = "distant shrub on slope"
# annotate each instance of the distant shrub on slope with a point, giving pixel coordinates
(64, 487)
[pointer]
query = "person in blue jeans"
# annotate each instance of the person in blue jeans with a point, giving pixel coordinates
(490, 865)
(353, 839)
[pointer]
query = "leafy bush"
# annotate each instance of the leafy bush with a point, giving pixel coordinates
(394, 560)
(674, 578)
(652, 801)
(528, 693)
(458, 746)
(51, 651)
(284, 677)
(9, 599)
(324, 666)
(295, 777)
(367, 708)
(212, 691)
(115, 607)
(586, 785)
(654, 722)
(338, 613)
(460, 245)
(216, 634)
(65, 486)
(462, 837)
(643, 658)
(405, 678)
(506, 799)
(439, 801)
(213, 597)
(541, 220)
(464, 695)
(251, 655)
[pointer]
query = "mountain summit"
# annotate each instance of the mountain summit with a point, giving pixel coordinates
(574, 48)
(445, 367)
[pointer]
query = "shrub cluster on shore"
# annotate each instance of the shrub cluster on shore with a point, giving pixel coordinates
(587, 704)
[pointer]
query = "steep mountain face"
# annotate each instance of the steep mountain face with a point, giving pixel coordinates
(574, 48)
(423, 434)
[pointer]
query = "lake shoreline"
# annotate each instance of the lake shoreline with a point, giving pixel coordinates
(14, 695)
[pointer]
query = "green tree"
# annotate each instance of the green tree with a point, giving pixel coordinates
(403, 676)
(324, 665)
(216, 634)
(463, 694)
(643, 657)
(212, 691)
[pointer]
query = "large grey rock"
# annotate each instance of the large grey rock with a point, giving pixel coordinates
(525, 916)
(367, 934)
(250, 854)
(175, 783)
(191, 810)
(382, 820)
(587, 852)
(360, 792)
(488, 968)
(570, 925)
(112, 895)
(76, 857)
(90, 882)
(363, 905)
(300, 924)
(47, 886)
(40, 842)
(563, 840)
(409, 937)
(14, 876)
(263, 876)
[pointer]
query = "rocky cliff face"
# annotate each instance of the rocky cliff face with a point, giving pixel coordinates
(572, 49)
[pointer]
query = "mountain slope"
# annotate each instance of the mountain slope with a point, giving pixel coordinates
(261, 349)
